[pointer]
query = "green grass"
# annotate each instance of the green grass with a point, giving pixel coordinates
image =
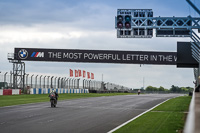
(179, 104)
(169, 117)
(25, 99)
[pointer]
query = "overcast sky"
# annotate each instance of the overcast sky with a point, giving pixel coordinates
(89, 24)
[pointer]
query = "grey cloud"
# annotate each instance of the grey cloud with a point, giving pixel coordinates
(82, 15)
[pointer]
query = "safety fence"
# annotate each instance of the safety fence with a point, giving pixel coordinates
(50, 82)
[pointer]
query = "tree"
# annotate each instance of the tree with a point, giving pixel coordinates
(149, 88)
(166, 90)
(161, 88)
(183, 89)
(175, 89)
(190, 89)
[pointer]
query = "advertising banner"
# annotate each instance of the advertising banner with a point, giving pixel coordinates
(96, 56)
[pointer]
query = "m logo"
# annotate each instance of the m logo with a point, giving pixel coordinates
(37, 54)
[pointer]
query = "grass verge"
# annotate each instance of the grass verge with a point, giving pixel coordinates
(10, 100)
(169, 117)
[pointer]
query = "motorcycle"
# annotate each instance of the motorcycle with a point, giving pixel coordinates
(139, 92)
(53, 100)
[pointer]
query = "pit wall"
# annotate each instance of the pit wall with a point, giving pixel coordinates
(59, 91)
(10, 92)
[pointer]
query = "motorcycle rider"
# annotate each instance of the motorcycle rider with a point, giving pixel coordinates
(55, 94)
(139, 92)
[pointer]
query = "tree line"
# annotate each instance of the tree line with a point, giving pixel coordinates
(174, 89)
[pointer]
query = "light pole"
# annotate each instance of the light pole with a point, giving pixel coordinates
(55, 82)
(58, 82)
(78, 83)
(27, 79)
(83, 83)
(66, 79)
(89, 84)
(48, 81)
(94, 82)
(69, 82)
(143, 82)
(41, 81)
(32, 80)
(5, 76)
(52, 81)
(10, 79)
(86, 84)
(64, 83)
(73, 83)
(36, 81)
(44, 81)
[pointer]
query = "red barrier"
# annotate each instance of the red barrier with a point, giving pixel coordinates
(7, 91)
(20, 92)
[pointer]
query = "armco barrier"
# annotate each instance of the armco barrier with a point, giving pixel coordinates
(59, 91)
(16, 92)
(10, 92)
(7, 91)
(39, 91)
(44, 91)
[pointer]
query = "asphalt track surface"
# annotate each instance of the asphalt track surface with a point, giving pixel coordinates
(88, 115)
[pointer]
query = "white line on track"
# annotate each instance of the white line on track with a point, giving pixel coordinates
(136, 117)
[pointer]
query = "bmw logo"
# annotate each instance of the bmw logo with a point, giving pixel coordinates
(23, 54)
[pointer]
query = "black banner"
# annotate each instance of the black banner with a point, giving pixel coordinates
(96, 56)
(184, 56)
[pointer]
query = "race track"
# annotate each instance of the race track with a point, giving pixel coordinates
(89, 115)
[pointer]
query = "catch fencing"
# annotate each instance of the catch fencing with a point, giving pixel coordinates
(43, 81)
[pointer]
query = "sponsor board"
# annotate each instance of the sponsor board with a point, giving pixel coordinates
(96, 56)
